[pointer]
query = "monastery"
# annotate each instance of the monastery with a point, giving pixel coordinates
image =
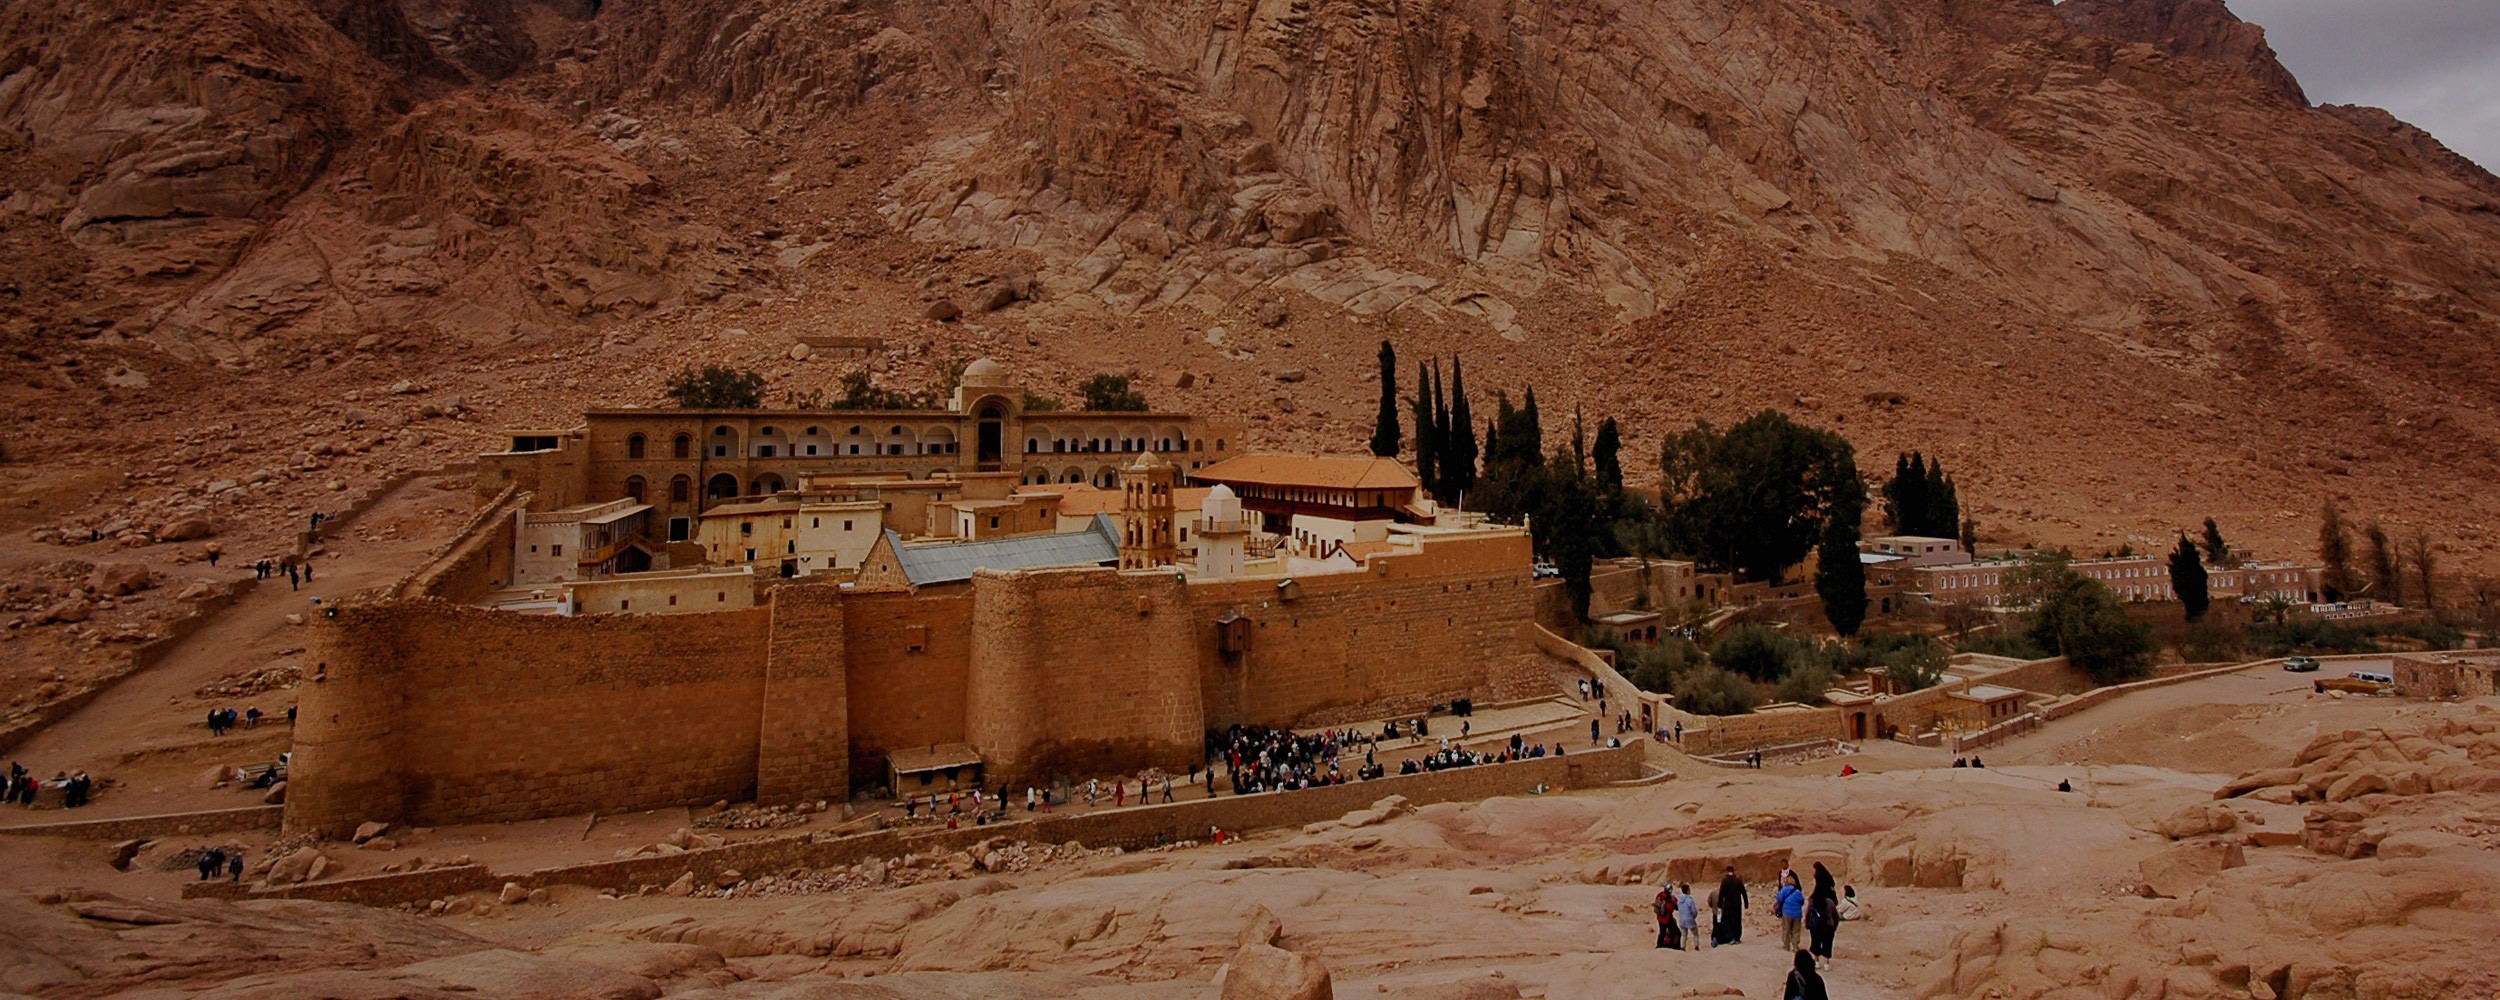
(663, 607)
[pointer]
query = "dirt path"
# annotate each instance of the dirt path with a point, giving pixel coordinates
(146, 739)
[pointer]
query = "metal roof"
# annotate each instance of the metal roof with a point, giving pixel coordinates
(926, 563)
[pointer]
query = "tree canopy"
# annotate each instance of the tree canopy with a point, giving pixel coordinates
(1755, 499)
(1921, 500)
(2074, 616)
(716, 387)
(1108, 392)
(2188, 579)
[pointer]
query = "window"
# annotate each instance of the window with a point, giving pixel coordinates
(855, 449)
(915, 638)
(791, 549)
(815, 522)
(750, 555)
(672, 600)
(811, 449)
(559, 550)
(633, 446)
(763, 451)
(634, 488)
(683, 446)
(679, 489)
(746, 527)
(846, 525)
(993, 522)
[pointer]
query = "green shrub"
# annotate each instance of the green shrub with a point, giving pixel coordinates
(1710, 690)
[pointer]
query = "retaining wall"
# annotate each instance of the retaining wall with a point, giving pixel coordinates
(159, 825)
(1134, 828)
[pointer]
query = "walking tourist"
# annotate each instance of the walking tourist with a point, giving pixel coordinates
(212, 861)
(1731, 923)
(1822, 916)
(1803, 982)
(1688, 917)
(1789, 903)
(1663, 908)
(234, 865)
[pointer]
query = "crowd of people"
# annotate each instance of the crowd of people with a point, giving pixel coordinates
(1261, 759)
(22, 786)
(221, 859)
(1809, 921)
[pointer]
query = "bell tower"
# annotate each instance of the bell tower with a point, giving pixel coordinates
(1146, 513)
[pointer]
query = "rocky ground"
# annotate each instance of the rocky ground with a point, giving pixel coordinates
(2305, 847)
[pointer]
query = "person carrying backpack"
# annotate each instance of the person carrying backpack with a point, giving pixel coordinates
(1664, 908)
(1803, 982)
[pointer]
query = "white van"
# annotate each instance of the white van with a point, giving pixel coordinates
(2374, 676)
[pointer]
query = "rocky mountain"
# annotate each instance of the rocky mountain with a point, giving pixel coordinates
(2100, 255)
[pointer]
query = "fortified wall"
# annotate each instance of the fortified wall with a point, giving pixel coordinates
(435, 712)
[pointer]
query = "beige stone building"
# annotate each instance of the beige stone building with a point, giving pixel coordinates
(684, 462)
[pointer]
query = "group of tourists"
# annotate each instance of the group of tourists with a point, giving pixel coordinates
(1808, 921)
(221, 859)
(1260, 759)
(222, 720)
(21, 786)
(297, 574)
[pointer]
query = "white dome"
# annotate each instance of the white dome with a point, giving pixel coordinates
(1220, 492)
(981, 367)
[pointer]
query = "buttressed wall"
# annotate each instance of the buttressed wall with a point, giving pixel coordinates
(1419, 627)
(1082, 671)
(434, 712)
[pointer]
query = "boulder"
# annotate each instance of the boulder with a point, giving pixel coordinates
(512, 894)
(1263, 928)
(121, 578)
(295, 866)
(184, 529)
(75, 609)
(1266, 972)
(2255, 780)
(2186, 866)
(216, 776)
(2197, 820)
(684, 886)
(800, 352)
(370, 830)
(276, 796)
(2355, 785)
(945, 311)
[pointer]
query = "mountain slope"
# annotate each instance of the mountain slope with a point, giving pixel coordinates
(2102, 256)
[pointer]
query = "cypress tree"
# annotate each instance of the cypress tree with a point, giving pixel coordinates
(1444, 440)
(1458, 468)
(2188, 579)
(1579, 444)
(1911, 505)
(1427, 436)
(1532, 450)
(2217, 551)
(1838, 576)
(2389, 582)
(1945, 503)
(1386, 438)
(1607, 453)
(2334, 554)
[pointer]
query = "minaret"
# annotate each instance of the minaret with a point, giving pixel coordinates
(1223, 538)
(1146, 514)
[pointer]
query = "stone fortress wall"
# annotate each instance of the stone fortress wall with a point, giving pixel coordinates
(432, 712)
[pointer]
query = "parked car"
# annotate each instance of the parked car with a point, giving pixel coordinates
(2300, 664)
(1546, 571)
(2374, 676)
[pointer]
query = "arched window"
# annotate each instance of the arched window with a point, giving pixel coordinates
(683, 446)
(680, 489)
(633, 484)
(633, 446)
(720, 487)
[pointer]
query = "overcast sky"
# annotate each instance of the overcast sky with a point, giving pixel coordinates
(2434, 63)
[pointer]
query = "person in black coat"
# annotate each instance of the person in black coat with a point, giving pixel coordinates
(1731, 925)
(1803, 982)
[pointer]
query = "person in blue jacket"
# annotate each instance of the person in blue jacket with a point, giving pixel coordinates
(1790, 906)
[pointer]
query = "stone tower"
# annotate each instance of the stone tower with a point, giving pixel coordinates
(1222, 535)
(1146, 513)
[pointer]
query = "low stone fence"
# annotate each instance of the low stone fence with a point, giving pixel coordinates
(155, 826)
(1140, 827)
(2059, 710)
(1782, 752)
(1999, 733)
